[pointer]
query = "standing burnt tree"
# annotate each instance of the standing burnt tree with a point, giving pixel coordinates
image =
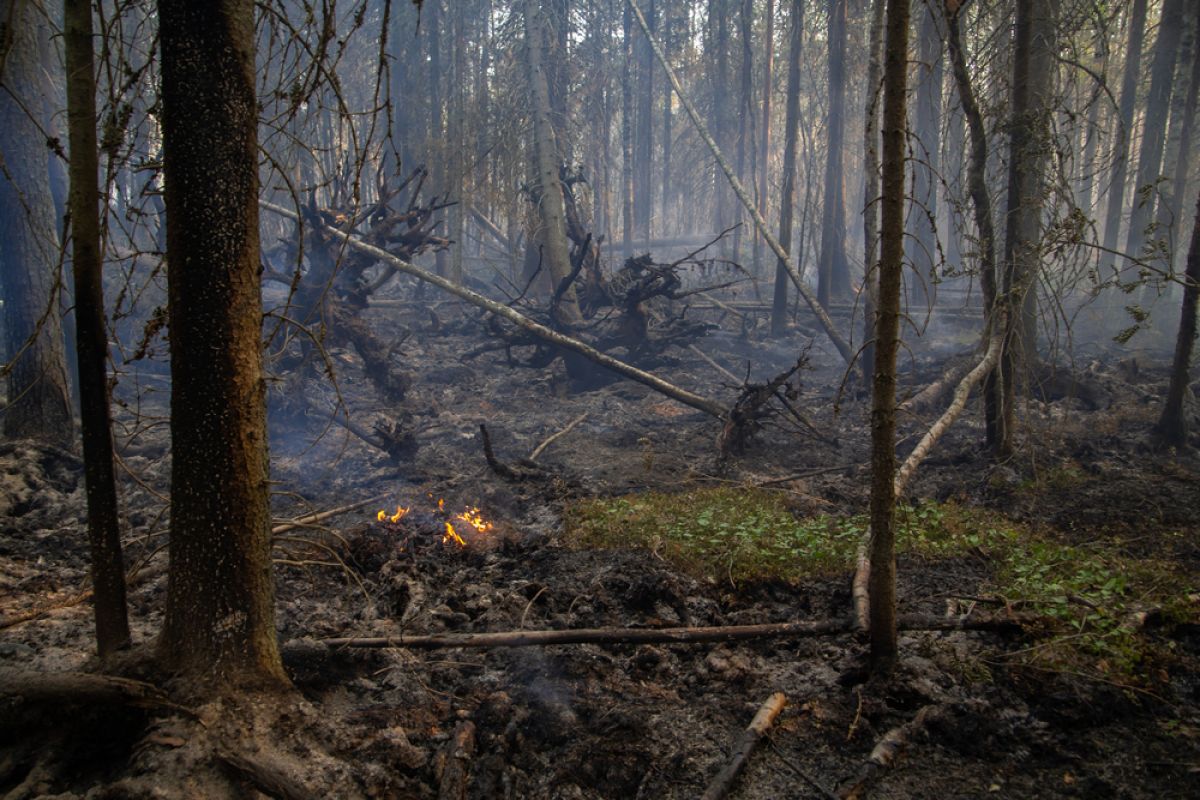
(220, 622)
(39, 405)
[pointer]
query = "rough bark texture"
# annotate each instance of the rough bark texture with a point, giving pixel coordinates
(791, 134)
(866, 358)
(220, 619)
(39, 404)
(104, 535)
(887, 337)
(1172, 426)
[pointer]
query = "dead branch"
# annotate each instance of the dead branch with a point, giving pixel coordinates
(134, 577)
(521, 321)
(454, 763)
(886, 750)
(745, 418)
(687, 635)
(537, 451)
(932, 394)
(398, 442)
(83, 688)
(496, 465)
(746, 744)
(957, 404)
(821, 314)
(859, 591)
(310, 520)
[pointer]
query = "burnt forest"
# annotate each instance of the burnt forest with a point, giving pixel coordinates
(599, 399)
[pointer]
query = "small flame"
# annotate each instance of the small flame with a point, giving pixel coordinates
(383, 516)
(473, 518)
(441, 504)
(452, 536)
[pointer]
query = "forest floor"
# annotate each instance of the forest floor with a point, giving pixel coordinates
(1099, 696)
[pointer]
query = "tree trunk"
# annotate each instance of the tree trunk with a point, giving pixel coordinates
(1170, 219)
(887, 335)
(791, 133)
(104, 535)
(718, 13)
(643, 194)
(921, 244)
(219, 625)
(764, 149)
(1032, 104)
(1172, 425)
(549, 189)
(745, 94)
(981, 203)
(871, 192)
(627, 134)
(39, 404)
(831, 270)
(1158, 103)
(1129, 81)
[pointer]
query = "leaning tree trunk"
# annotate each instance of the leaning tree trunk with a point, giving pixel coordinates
(1172, 426)
(104, 534)
(887, 336)
(39, 405)
(220, 617)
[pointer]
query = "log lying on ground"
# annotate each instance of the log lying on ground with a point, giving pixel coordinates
(746, 744)
(818, 310)
(266, 774)
(520, 320)
(692, 635)
(79, 687)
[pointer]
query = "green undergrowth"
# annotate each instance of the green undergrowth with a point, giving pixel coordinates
(1087, 595)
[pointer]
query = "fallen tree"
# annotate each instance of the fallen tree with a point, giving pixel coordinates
(520, 320)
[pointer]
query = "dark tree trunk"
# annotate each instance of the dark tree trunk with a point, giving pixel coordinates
(1176, 165)
(791, 133)
(744, 105)
(627, 134)
(887, 336)
(220, 618)
(1172, 425)
(643, 193)
(39, 404)
(104, 534)
(719, 18)
(1033, 78)
(831, 276)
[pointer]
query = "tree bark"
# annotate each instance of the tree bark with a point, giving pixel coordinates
(39, 404)
(764, 148)
(791, 133)
(219, 625)
(1172, 425)
(921, 244)
(104, 534)
(887, 336)
(871, 190)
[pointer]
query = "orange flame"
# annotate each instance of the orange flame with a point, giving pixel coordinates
(452, 536)
(383, 516)
(472, 517)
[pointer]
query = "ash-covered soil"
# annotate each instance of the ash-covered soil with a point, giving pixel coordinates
(613, 720)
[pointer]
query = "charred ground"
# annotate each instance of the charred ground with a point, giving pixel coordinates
(622, 720)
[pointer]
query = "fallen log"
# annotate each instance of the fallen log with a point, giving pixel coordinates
(80, 688)
(687, 635)
(268, 775)
(746, 744)
(309, 520)
(952, 412)
(818, 310)
(521, 321)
